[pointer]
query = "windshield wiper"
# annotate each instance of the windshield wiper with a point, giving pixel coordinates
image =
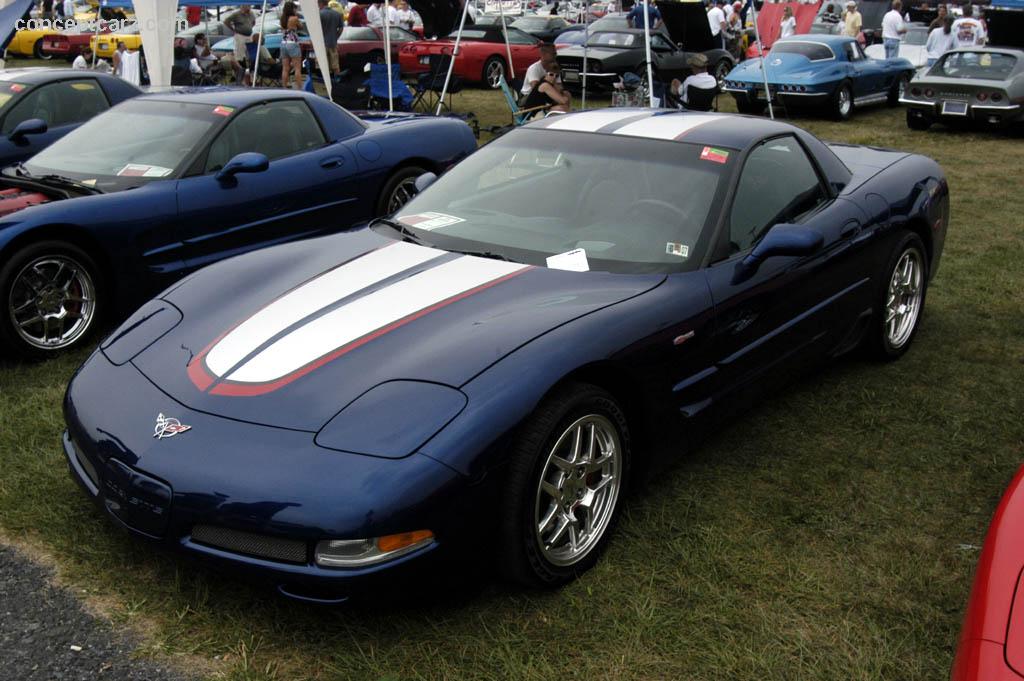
(482, 254)
(403, 230)
(67, 182)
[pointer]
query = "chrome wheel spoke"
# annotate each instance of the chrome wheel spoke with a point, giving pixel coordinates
(29, 322)
(551, 490)
(52, 302)
(548, 520)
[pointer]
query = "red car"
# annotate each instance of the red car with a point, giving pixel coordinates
(369, 40)
(482, 56)
(67, 45)
(991, 644)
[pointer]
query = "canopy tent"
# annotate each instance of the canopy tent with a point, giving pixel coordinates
(10, 12)
(157, 27)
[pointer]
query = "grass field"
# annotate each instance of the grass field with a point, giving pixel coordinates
(830, 534)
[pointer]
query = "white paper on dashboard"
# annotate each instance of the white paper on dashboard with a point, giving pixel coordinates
(573, 261)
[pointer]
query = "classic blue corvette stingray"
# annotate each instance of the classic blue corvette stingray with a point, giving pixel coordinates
(499, 357)
(826, 72)
(211, 174)
(38, 106)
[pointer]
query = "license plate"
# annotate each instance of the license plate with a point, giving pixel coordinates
(570, 76)
(954, 108)
(425, 59)
(104, 46)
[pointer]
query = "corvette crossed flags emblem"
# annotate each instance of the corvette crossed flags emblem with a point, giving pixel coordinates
(168, 427)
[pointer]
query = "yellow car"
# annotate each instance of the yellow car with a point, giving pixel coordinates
(105, 45)
(28, 42)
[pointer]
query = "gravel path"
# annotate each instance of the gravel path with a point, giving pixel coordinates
(46, 635)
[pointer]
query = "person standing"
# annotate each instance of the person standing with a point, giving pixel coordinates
(892, 28)
(332, 23)
(46, 10)
(940, 20)
(405, 16)
(375, 16)
(968, 31)
(69, 10)
(357, 16)
(392, 13)
(716, 22)
(118, 54)
(636, 15)
(788, 25)
(291, 53)
(940, 40)
(853, 22)
(241, 23)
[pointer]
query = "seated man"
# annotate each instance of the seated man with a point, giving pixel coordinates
(535, 73)
(700, 79)
(269, 67)
(549, 91)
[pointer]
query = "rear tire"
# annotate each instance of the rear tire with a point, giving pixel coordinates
(751, 108)
(51, 299)
(900, 298)
(37, 51)
(842, 102)
(917, 120)
(494, 68)
(897, 89)
(560, 501)
(721, 70)
(398, 190)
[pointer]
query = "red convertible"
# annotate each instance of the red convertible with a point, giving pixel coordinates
(992, 639)
(369, 41)
(482, 56)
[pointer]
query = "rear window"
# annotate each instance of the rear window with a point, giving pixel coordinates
(469, 35)
(980, 65)
(614, 39)
(813, 51)
(358, 33)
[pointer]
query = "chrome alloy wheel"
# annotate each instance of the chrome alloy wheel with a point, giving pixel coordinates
(903, 302)
(845, 103)
(401, 195)
(52, 302)
(578, 489)
(495, 71)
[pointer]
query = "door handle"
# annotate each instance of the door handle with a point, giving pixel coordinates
(332, 162)
(849, 229)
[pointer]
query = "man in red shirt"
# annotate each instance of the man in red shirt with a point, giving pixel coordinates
(357, 16)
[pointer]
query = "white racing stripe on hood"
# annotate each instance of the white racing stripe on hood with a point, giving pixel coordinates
(665, 127)
(591, 121)
(324, 290)
(370, 313)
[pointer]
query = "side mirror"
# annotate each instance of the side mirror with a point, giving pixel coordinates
(249, 162)
(33, 126)
(424, 181)
(781, 239)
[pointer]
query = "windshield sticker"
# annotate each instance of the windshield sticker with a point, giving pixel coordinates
(89, 183)
(715, 155)
(138, 170)
(681, 250)
(430, 221)
(83, 86)
(985, 59)
(16, 87)
(573, 261)
(224, 110)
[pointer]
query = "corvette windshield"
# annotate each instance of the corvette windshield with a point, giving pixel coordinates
(134, 143)
(813, 51)
(613, 40)
(632, 205)
(980, 65)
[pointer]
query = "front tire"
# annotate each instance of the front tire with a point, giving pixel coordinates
(399, 190)
(52, 297)
(900, 299)
(842, 102)
(494, 69)
(562, 495)
(722, 69)
(898, 89)
(917, 120)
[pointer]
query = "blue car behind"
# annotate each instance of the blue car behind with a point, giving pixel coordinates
(827, 73)
(165, 184)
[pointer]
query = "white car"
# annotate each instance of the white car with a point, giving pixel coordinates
(911, 47)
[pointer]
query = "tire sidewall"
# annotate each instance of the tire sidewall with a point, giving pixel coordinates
(836, 112)
(905, 241)
(9, 337)
(547, 425)
(396, 178)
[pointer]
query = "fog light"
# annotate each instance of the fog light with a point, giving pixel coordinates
(363, 552)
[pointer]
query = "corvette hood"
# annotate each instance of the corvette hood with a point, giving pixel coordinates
(599, 53)
(290, 335)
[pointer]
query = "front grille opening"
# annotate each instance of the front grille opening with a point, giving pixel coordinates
(251, 544)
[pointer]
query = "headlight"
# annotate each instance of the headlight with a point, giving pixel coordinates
(363, 552)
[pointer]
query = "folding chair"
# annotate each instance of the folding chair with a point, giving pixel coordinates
(701, 98)
(401, 97)
(430, 85)
(519, 116)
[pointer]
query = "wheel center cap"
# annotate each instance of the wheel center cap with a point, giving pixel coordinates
(50, 301)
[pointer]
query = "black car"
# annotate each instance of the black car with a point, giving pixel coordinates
(611, 54)
(547, 28)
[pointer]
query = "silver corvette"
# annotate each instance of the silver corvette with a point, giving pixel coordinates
(981, 84)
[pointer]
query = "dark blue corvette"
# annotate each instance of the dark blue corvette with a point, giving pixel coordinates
(164, 184)
(504, 351)
(38, 106)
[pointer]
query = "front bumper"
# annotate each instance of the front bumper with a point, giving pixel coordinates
(989, 114)
(272, 493)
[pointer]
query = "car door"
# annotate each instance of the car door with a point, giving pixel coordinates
(871, 73)
(788, 309)
(307, 189)
(63, 105)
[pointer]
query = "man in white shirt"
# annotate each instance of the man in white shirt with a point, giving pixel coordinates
(374, 15)
(69, 10)
(892, 28)
(393, 17)
(968, 31)
(701, 79)
(716, 22)
(536, 72)
(83, 60)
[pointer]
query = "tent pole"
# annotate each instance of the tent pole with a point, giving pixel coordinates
(455, 53)
(387, 51)
(96, 36)
(586, 39)
(764, 62)
(259, 44)
(647, 47)
(508, 48)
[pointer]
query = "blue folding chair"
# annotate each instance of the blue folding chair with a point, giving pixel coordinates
(378, 84)
(519, 116)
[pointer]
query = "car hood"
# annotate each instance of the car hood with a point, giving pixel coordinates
(290, 335)
(599, 53)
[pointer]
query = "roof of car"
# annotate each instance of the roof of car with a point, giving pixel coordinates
(727, 130)
(1015, 51)
(41, 74)
(227, 96)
